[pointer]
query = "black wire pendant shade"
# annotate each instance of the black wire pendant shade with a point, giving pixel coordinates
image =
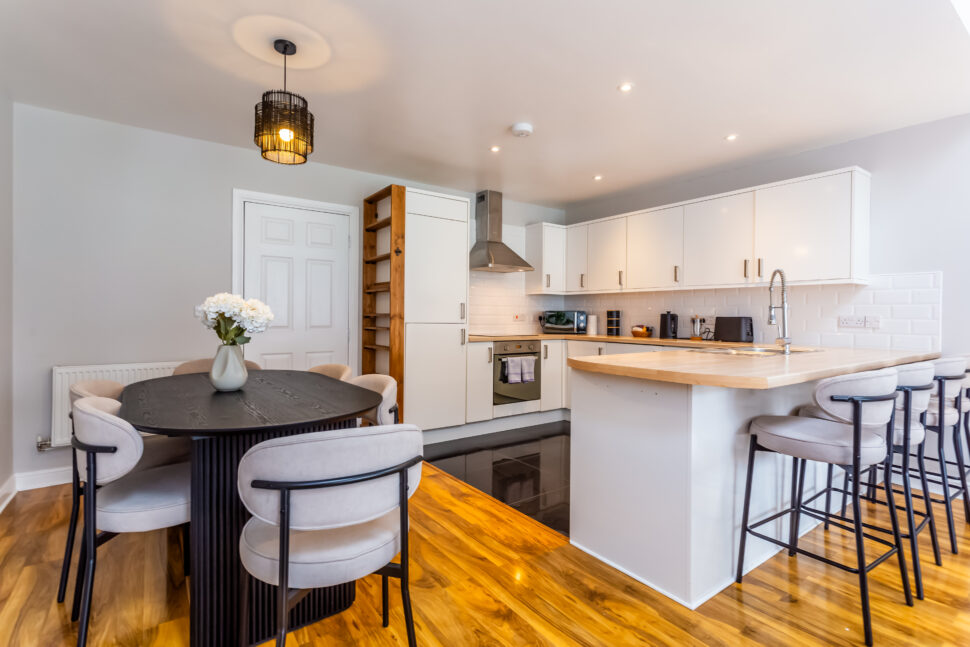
(284, 123)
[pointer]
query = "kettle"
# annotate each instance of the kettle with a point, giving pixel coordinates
(668, 325)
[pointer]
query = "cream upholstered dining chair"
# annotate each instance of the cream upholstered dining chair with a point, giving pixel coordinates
(158, 450)
(328, 508)
(117, 498)
(336, 371)
(205, 365)
(386, 412)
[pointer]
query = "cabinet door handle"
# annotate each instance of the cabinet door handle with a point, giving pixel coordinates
(545, 351)
(462, 311)
(582, 280)
(761, 263)
(548, 281)
(599, 350)
(462, 336)
(676, 273)
(745, 268)
(489, 355)
(621, 278)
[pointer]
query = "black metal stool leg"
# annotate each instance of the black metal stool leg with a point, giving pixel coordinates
(796, 507)
(71, 531)
(887, 479)
(752, 448)
(962, 467)
(79, 578)
(911, 523)
(828, 494)
(385, 619)
(861, 558)
(90, 557)
(945, 482)
(921, 464)
(845, 490)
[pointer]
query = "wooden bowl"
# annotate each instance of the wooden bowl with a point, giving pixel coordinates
(640, 332)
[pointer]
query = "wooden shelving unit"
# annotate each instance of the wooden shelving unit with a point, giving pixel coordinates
(382, 338)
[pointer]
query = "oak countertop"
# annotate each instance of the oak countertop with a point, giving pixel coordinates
(646, 341)
(745, 371)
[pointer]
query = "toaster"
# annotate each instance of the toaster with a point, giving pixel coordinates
(733, 329)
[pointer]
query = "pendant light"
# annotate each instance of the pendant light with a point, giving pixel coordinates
(284, 123)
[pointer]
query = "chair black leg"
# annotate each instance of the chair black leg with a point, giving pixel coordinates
(408, 616)
(887, 479)
(186, 550)
(962, 467)
(79, 578)
(384, 614)
(871, 489)
(921, 464)
(244, 609)
(91, 557)
(71, 533)
(845, 490)
(752, 448)
(911, 523)
(861, 558)
(945, 481)
(828, 494)
(796, 506)
(282, 615)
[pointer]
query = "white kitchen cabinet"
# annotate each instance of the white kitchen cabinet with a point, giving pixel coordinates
(805, 227)
(606, 253)
(437, 205)
(551, 356)
(435, 270)
(719, 241)
(434, 374)
(545, 248)
(478, 385)
(577, 268)
(655, 249)
(578, 349)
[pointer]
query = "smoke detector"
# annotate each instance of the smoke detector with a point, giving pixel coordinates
(522, 129)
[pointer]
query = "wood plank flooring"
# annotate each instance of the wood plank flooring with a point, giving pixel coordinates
(483, 574)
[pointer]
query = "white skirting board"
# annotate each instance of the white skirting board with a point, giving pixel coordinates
(497, 424)
(7, 490)
(42, 478)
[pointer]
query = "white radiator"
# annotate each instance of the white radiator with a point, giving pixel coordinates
(65, 376)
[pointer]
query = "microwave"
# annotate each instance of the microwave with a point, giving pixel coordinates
(563, 321)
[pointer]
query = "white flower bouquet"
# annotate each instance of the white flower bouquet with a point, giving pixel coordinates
(233, 318)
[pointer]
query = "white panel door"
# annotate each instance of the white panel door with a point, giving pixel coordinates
(655, 249)
(434, 375)
(478, 389)
(553, 261)
(435, 270)
(552, 374)
(577, 349)
(719, 241)
(297, 262)
(804, 228)
(577, 269)
(607, 254)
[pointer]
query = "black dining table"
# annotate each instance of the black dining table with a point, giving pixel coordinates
(222, 427)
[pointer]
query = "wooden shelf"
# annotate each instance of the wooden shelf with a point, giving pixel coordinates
(378, 287)
(377, 314)
(380, 224)
(377, 327)
(378, 258)
(376, 347)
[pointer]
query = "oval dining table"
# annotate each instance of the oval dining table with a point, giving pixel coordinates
(222, 427)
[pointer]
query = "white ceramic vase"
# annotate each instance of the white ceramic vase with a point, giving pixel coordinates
(228, 369)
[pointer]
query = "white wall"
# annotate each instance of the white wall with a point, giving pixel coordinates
(920, 206)
(6, 286)
(120, 231)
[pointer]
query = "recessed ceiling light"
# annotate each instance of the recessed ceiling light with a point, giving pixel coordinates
(597, 178)
(731, 137)
(625, 87)
(495, 149)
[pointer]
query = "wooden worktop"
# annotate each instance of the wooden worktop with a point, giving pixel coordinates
(646, 341)
(745, 371)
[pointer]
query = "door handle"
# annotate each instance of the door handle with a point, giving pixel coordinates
(582, 280)
(545, 351)
(599, 350)
(548, 281)
(676, 273)
(745, 268)
(761, 263)
(462, 311)
(489, 355)
(621, 278)
(462, 336)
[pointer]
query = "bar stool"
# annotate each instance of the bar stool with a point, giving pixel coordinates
(867, 400)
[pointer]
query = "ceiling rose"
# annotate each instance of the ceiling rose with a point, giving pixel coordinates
(253, 33)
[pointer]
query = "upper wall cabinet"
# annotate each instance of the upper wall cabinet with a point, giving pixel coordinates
(606, 253)
(545, 248)
(719, 241)
(577, 268)
(806, 228)
(655, 249)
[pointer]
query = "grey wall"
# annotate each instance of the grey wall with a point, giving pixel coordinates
(119, 232)
(6, 288)
(920, 210)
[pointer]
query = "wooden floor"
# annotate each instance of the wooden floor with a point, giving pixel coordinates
(483, 574)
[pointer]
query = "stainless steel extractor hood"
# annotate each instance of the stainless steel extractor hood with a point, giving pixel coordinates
(490, 254)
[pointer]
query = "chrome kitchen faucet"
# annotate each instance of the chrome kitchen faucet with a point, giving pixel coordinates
(784, 339)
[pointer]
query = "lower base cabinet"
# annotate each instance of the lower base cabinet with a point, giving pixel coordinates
(478, 402)
(578, 349)
(552, 358)
(434, 375)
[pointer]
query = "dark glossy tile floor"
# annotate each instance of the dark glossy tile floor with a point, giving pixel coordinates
(526, 468)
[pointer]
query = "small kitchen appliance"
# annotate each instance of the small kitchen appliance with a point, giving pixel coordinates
(668, 325)
(592, 325)
(613, 323)
(696, 333)
(572, 322)
(733, 329)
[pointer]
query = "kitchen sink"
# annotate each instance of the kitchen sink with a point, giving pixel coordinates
(753, 351)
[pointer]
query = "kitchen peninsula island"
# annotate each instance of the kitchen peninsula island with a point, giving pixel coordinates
(659, 450)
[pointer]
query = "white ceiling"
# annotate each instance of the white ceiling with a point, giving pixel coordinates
(421, 89)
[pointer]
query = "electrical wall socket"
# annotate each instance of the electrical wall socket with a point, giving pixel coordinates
(872, 321)
(850, 321)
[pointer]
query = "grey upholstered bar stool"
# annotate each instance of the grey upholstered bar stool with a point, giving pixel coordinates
(205, 365)
(158, 450)
(867, 400)
(386, 412)
(117, 498)
(336, 371)
(328, 507)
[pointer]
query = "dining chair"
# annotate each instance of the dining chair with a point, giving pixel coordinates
(158, 450)
(328, 508)
(205, 365)
(336, 371)
(118, 499)
(386, 413)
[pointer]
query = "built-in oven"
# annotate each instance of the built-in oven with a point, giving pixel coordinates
(518, 380)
